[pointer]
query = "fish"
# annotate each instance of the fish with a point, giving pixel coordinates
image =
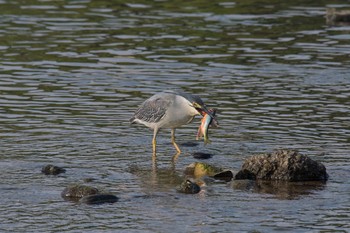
(203, 129)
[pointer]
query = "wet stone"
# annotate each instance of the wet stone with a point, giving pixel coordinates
(189, 187)
(225, 176)
(52, 170)
(286, 165)
(75, 192)
(201, 155)
(189, 144)
(98, 199)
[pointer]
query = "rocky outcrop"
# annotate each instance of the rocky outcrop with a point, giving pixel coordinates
(286, 165)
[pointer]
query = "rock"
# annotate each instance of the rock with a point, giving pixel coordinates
(52, 170)
(225, 176)
(189, 187)
(97, 199)
(201, 155)
(287, 165)
(75, 192)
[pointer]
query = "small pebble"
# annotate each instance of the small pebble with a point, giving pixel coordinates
(52, 170)
(189, 187)
(74, 192)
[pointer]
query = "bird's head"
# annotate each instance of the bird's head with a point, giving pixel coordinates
(197, 103)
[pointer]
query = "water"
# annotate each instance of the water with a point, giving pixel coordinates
(73, 72)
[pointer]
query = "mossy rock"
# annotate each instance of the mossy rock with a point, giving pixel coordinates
(198, 170)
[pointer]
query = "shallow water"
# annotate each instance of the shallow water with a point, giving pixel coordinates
(72, 73)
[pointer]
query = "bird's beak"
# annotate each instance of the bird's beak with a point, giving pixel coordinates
(204, 109)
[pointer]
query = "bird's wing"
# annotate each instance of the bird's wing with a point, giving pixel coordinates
(152, 110)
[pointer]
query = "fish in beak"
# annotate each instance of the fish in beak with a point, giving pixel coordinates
(211, 113)
(203, 110)
(207, 121)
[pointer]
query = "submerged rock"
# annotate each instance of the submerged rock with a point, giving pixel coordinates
(189, 187)
(52, 170)
(75, 192)
(97, 199)
(287, 165)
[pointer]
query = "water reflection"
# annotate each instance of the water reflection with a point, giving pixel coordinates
(157, 179)
(279, 189)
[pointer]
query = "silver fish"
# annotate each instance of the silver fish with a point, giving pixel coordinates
(203, 129)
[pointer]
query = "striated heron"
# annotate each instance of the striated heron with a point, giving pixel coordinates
(169, 109)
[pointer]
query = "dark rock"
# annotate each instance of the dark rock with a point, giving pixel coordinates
(201, 155)
(52, 170)
(75, 192)
(287, 165)
(225, 176)
(189, 144)
(189, 187)
(97, 199)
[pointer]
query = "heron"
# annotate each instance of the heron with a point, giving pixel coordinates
(169, 109)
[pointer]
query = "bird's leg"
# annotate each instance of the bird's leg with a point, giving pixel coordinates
(154, 141)
(173, 141)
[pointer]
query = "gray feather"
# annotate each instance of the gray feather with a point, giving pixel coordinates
(152, 110)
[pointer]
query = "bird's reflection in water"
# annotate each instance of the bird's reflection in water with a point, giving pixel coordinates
(158, 179)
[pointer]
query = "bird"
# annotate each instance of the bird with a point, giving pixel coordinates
(169, 109)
